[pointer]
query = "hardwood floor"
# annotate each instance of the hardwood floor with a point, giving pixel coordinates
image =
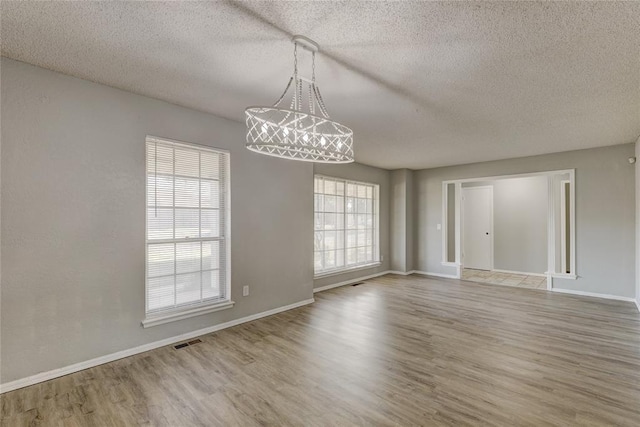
(393, 351)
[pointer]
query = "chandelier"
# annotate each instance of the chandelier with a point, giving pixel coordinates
(297, 132)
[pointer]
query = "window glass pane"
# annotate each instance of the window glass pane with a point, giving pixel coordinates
(159, 159)
(319, 202)
(329, 186)
(187, 223)
(210, 165)
(210, 223)
(187, 162)
(188, 288)
(187, 192)
(339, 204)
(340, 240)
(340, 188)
(361, 255)
(330, 221)
(369, 237)
(160, 292)
(211, 255)
(330, 204)
(329, 259)
(340, 258)
(351, 205)
(318, 261)
(330, 240)
(361, 205)
(352, 236)
(351, 256)
(209, 194)
(351, 222)
(319, 221)
(164, 191)
(362, 191)
(159, 223)
(211, 284)
(160, 260)
(351, 190)
(318, 241)
(187, 257)
(361, 220)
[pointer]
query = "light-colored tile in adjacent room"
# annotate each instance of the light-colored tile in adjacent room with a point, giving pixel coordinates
(505, 279)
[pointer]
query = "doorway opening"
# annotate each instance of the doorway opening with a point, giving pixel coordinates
(514, 230)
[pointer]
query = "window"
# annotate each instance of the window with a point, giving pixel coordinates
(187, 230)
(346, 225)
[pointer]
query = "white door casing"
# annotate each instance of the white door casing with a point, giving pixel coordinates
(477, 223)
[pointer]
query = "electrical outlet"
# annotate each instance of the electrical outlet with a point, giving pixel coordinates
(381, 258)
(439, 227)
(245, 291)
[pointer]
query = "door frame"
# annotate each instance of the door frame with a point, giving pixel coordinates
(462, 213)
(563, 223)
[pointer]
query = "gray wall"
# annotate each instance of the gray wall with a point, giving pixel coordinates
(605, 210)
(398, 220)
(358, 172)
(519, 223)
(73, 219)
(410, 220)
(402, 218)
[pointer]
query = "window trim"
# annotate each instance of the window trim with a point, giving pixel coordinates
(376, 230)
(186, 311)
(358, 267)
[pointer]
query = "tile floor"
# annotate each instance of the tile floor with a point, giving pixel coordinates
(505, 279)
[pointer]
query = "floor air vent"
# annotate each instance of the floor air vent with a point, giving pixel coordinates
(187, 344)
(358, 284)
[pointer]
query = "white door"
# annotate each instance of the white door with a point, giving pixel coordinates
(477, 228)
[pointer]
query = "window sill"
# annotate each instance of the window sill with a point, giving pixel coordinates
(162, 318)
(347, 270)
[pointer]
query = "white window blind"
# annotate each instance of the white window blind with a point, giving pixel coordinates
(187, 246)
(346, 224)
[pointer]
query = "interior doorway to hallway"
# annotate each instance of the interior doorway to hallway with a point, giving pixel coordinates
(516, 230)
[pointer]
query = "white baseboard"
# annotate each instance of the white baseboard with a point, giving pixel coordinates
(49, 375)
(524, 273)
(444, 276)
(594, 294)
(637, 304)
(349, 282)
(401, 273)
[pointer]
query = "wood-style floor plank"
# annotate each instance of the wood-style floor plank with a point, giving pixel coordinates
(396, 350)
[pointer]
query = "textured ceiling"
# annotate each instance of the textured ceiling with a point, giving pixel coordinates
(422, 84)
